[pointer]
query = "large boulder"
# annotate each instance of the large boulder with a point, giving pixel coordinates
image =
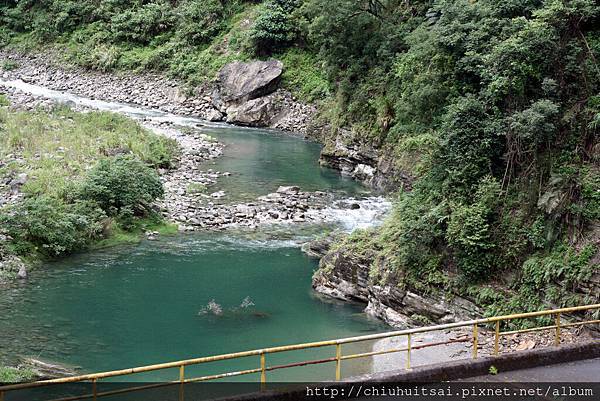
(240, 82)
(253, 113)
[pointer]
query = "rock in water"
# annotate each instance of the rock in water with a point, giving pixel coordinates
(214, 115)
(22, 274)
(288, 189)
(46, 370)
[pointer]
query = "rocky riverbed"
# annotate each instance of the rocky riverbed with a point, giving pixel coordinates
(273, 108)
(189, 200)
(243, 93)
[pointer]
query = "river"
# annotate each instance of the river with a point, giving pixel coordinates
(145, 304)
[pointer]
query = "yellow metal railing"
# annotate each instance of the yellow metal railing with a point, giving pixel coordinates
(338, 358)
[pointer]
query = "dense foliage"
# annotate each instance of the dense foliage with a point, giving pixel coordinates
(121, 184)
(492, 107)
(88, 175)
(499, 101)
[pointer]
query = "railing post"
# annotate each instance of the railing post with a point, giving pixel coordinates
(557, 337)
(1, 395)
(497, 339)
(338, 362)
(263, 372)
(475, 340)
(94, 389)
(181, 382)
(408, 351)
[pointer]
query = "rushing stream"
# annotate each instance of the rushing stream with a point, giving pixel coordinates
(149, 303)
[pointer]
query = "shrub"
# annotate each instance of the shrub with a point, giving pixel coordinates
(119, 183)
(273, 29)
(9, 65)
(303, 77)
(52, 227)
(469, 231)
(142, 24)
(200, 20)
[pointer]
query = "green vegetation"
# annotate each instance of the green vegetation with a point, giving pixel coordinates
(8, 65)
(493, 109)
(195, 188)
(91, 178)
(15, 375)
(503, 188)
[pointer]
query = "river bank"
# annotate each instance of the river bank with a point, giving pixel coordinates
(322, 198)
(188, 200)
(275, 108)
(150, 90)
(185, 185)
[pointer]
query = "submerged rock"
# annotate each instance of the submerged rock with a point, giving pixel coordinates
(46, 370)
(288, 190)
(22, 273)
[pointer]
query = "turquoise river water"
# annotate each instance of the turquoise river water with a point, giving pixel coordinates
(146, 304)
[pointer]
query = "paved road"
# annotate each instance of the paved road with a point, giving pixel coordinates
(519, 380)
(579, 371)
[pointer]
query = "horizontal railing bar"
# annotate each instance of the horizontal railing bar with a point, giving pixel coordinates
(294, 347)
(222, 375)
(413, 347)
(580, 323)
(162, 384)
(541, 328)
(506, 333)
(541, 313)
(121, 391)
(372, 353)
(304, 363)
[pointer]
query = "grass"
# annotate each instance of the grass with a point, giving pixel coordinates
(15, 375)
(195, 188)
(302, 77)
(118, 236)
(60, 147)
(9, 65)
(57, 149)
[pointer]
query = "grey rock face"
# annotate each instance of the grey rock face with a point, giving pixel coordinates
(240, 82)
(244, 92)
(346, 275)
(214, 115)
(374, 167)
(254, 113)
